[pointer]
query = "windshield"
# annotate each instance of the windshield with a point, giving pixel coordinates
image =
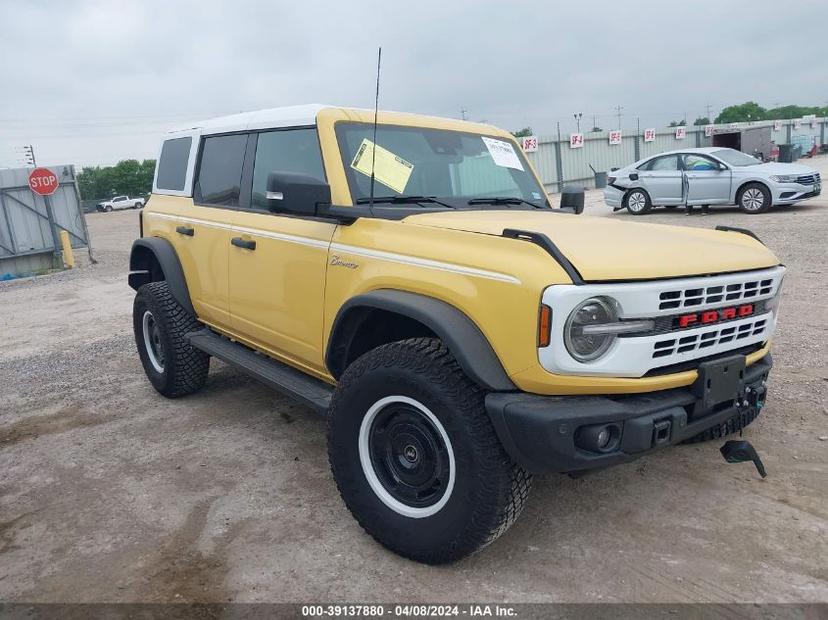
(450, 166)
(736, 158)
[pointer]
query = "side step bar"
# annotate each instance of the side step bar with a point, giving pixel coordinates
(294, 383)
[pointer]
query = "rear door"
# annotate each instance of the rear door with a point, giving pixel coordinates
(278, 262)
(202, 232)
(662, 178)
(707, 183)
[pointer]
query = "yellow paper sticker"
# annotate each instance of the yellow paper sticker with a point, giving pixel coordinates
(389, 169)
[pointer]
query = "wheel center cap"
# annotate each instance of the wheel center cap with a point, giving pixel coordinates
(410, 453)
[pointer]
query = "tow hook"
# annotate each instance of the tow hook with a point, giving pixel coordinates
(740, 451)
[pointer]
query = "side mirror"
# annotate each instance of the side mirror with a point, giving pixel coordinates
(572, 199)
(291, 192)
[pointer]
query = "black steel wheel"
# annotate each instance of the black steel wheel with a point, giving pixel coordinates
(407, 456)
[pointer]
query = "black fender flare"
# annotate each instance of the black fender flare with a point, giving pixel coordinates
(167, 258)
(460, 334)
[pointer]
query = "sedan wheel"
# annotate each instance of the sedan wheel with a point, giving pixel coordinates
(638, 202)
(754, 198)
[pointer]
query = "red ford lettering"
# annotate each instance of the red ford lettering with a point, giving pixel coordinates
(714, 316)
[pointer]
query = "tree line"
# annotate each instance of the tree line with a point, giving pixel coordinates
(130, 177)
(752, 111)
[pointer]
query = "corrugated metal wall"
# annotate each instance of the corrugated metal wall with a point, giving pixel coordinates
(25, 225)
(604, 156)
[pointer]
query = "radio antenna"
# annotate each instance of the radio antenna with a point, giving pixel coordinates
(374, 149)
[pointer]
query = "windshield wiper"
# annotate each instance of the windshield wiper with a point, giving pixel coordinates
(503, 200)
(403, 199)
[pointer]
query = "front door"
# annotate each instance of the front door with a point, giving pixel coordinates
(707, 183)
(661, 177)
(278, 262)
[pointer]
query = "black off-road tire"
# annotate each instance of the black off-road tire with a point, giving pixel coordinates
(752, 188)
(728, 427)
(489, 490)
(630, 201)
(184, 368)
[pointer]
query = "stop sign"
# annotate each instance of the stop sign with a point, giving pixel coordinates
(43, 181)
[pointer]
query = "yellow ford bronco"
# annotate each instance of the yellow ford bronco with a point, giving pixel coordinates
(408, 277)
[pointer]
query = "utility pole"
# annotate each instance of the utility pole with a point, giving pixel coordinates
(29, 154)
(709, 109)
(618, 109)
(463, 114)
(594, 122)
(578, 116)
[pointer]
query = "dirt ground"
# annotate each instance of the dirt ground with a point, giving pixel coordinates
(109, 492)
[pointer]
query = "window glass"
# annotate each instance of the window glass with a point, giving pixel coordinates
(736, 158)
(696, 162)
(289, 150)
(668, 162)
(448, 165)
(172, 167)
(219, 174)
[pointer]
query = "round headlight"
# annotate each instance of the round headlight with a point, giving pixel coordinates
(594, 311)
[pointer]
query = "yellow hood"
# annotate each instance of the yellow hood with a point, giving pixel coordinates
(601, 248)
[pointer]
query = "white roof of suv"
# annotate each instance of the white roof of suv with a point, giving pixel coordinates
(288, 116)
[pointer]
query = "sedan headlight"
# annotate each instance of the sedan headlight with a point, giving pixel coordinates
(783, 178)
(593, 326)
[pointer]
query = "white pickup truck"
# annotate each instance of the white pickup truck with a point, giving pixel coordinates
(120, 202)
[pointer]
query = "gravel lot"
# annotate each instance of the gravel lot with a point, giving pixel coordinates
(109, 492)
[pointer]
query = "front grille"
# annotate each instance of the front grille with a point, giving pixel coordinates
(807, 179)
(669, 323)
(709, 338)
(708, 295)
(694, 363)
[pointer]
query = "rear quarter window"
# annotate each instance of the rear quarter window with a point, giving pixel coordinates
(172, 166)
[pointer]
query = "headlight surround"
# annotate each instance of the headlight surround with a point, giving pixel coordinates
(784, 178)
(593, 311)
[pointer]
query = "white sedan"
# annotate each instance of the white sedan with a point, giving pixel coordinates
(709, 176)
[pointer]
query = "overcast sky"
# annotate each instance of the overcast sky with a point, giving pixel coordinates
(91, 82)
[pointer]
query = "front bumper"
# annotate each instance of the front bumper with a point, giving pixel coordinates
(545, 434)
(788, 193)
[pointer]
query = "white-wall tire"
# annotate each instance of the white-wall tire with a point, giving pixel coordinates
(484, 491)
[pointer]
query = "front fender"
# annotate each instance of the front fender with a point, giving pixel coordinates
(460, 334)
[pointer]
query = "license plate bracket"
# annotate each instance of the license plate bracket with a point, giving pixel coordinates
(720, 381)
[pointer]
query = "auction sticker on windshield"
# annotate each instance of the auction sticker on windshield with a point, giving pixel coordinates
(502, 153)
(389, 169)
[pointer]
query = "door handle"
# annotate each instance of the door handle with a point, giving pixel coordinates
(247, 244)
(185, 230)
